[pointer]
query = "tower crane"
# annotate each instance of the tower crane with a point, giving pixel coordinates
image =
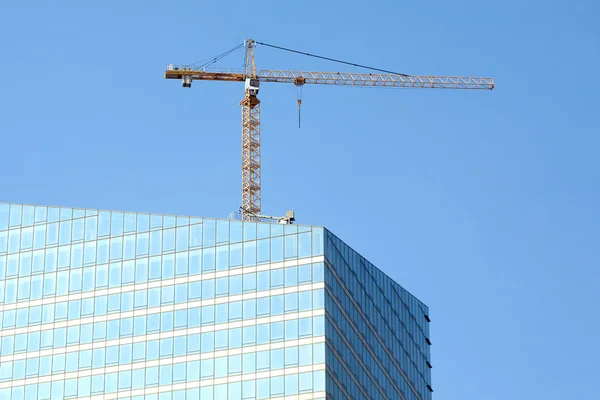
(251, 166)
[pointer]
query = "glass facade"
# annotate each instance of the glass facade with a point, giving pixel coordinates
(112, 305)
(377, 333)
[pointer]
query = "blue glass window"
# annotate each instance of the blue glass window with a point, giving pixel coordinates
(235, 311)
(91, 228)
(235, 255)
(277, 305)
(181, 264)
(291, 384)
(208, 315)
(276, 331)
(222, 286)
(208, 344)
(262, 333)
(291, 246)
(209, 233)
(221, 339)
(196, 235)
(222, 313)
(235, 285)
(208, 289)
(276, 249)
(277, 386)
(305, 355)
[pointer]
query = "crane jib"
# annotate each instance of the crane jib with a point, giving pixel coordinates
(340, 78)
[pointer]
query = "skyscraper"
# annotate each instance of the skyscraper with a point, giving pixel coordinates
(105, 305)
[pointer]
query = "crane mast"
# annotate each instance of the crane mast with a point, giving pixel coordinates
(251, 164)
(251, 184)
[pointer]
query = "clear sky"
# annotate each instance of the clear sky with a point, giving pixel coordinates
(485, 205)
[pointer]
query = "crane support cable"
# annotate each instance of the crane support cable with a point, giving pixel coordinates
(211, 60)
(214, 60)
(331, 59)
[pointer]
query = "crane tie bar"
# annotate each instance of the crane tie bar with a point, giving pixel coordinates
(331, 59)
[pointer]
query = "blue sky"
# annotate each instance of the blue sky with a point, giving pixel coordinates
(483, 204)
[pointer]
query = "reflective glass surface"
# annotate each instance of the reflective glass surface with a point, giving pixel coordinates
(377, 333)
(104, 304)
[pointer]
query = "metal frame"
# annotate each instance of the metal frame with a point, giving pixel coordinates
(250, 157)
(251, 166)
(379, 80)
(339, 78)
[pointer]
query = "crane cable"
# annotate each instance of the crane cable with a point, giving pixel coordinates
(213, 60)
(331, 59)
(299, 100)
(299, 94)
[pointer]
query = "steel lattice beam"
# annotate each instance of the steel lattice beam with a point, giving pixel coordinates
(340, 78)
(387, 80)
(250, 157)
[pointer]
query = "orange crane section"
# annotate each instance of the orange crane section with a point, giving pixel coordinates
(251, 168)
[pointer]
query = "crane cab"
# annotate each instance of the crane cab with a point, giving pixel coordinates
(252, 85)
(186, 81)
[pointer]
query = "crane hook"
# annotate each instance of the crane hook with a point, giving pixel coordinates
(299, 86)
